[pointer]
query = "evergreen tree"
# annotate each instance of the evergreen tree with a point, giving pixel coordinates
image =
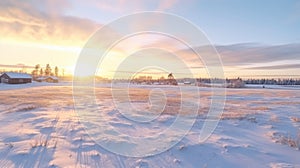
(56, 71)
(41, 72)
(47, 70)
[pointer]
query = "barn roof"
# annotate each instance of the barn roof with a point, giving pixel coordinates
(14, 75)
(47, 77)
(53, 77)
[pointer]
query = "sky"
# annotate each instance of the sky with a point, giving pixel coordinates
(253, 38)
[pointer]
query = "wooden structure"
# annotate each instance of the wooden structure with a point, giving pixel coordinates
(171, 80)
(15, 78)
(49, 79)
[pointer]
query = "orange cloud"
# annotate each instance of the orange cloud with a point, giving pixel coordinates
(23, 22)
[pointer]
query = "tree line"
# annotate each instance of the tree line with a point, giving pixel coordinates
(262, 81)
(273, 81)
(47, 71)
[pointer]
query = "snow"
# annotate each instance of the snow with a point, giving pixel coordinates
(289, 87)
(40, 128)
(5, 86)
(18, 75)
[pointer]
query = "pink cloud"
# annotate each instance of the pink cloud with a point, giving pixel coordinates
(166, 4)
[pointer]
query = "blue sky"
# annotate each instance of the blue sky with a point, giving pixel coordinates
(224, 21)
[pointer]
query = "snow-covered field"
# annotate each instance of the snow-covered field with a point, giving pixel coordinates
(260, 127)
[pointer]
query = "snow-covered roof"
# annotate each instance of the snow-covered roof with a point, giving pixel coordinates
(40, 78)
(46, 77)
(53, 77)
(17, 75)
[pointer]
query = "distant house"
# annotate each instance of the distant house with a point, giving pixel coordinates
(187, 82)
(235, 83)
(15, 78)
(49, 79)
(171, 80)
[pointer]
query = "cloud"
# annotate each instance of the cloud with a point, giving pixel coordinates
(45, 21)
(118, 6)
(15, 66)
(250, 58)
(123, 6)
(34, 21)
(166, 4)
(250, 54)
(276, 67)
